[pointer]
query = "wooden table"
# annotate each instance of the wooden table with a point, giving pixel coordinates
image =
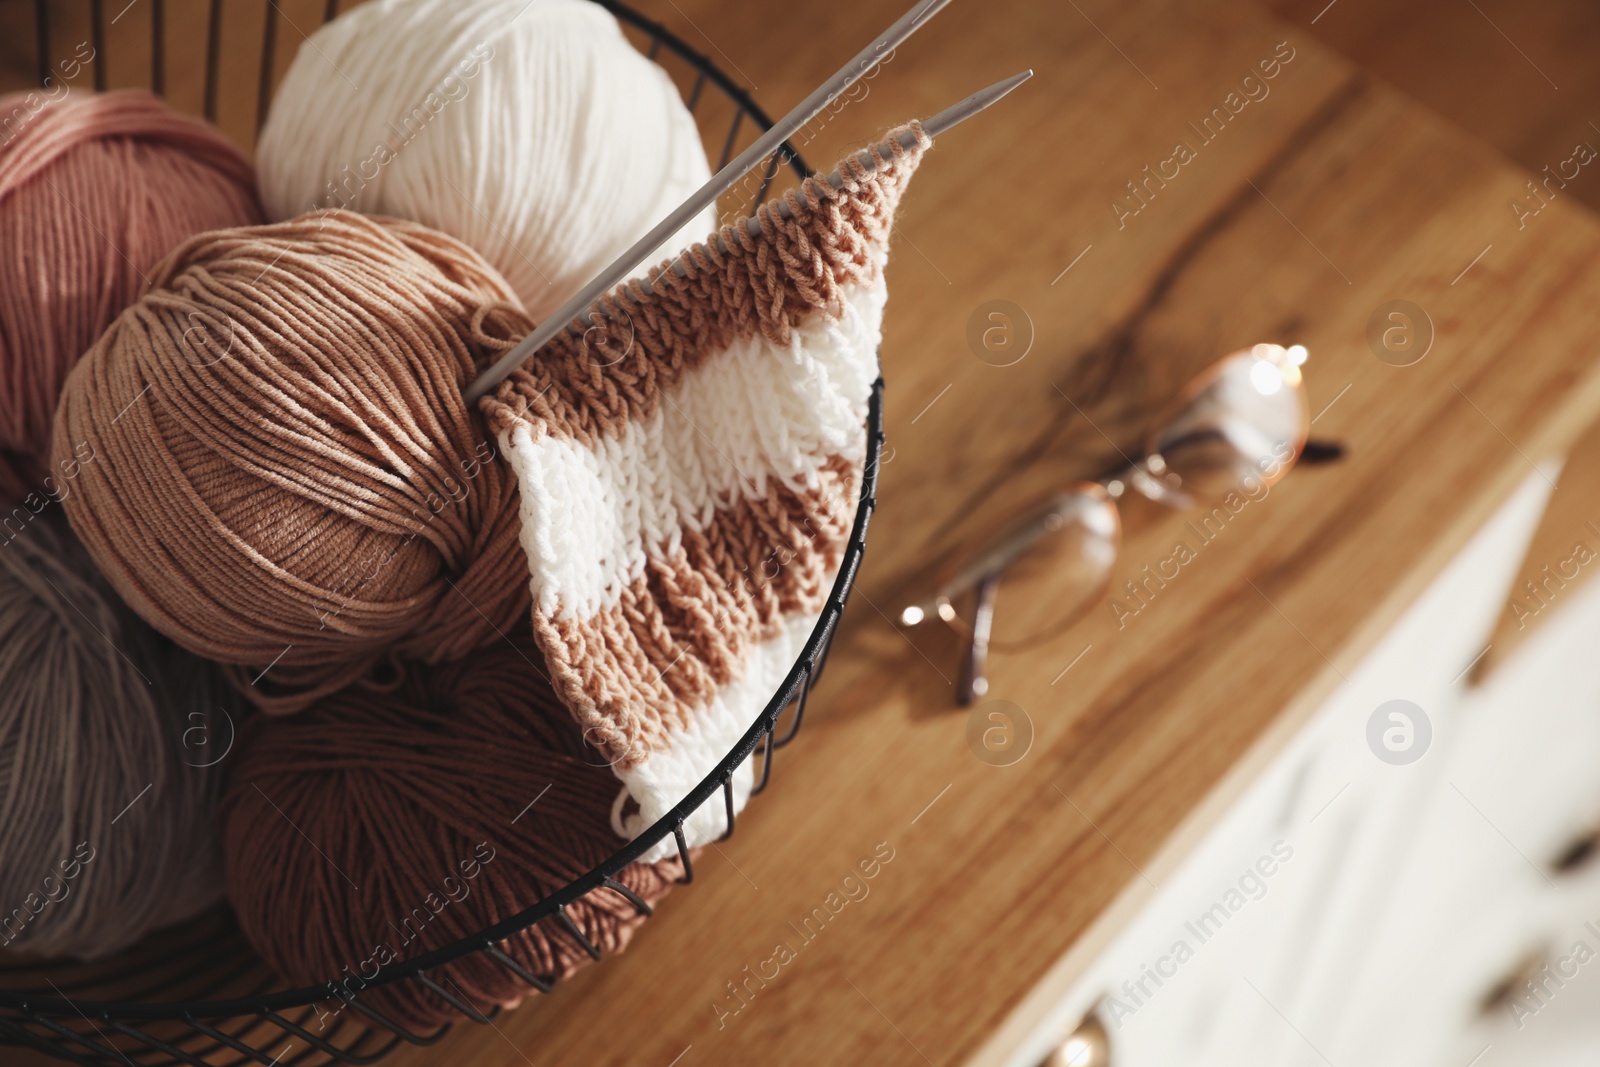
(1314, 206)
(1317, 204)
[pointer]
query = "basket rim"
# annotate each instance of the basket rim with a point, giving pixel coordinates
(797, 682)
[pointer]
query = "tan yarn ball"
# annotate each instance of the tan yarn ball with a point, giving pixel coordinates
(288, 478)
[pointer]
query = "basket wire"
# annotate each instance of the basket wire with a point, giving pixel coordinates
(197, 994)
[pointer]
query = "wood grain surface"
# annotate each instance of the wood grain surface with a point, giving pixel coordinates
(1535, 105)
(1522, 77)
(1563, 554)
(1317, 204)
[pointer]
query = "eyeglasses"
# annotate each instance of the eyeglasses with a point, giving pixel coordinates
(1239, 426)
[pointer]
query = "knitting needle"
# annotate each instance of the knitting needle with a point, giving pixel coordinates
(945, 120)
(707, 194)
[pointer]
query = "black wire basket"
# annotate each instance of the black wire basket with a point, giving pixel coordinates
(197, 994)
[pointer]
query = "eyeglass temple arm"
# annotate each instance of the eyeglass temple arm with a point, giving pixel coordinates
(1316, 452)
(975, 664)
(998, 553)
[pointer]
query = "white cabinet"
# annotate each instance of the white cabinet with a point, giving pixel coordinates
(1357, 910)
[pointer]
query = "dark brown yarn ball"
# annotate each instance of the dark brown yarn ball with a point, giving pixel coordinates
(286, 474)
(378, 826)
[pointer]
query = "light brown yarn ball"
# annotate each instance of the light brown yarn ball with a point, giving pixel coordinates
(288, 477)
(112, 748)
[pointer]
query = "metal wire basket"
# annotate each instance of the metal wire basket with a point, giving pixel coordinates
(197, 994)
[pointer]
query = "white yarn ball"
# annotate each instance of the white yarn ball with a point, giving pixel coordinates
(533, 131)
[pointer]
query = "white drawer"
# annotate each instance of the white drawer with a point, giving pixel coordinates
(1290, 968)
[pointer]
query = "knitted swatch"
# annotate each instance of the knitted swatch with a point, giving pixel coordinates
(689, 469)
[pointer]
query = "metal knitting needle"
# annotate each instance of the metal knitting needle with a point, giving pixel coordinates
(707, 194)
(948, 118)
(945, 120)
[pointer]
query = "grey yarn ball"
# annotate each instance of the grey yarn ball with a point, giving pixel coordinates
(111, 746)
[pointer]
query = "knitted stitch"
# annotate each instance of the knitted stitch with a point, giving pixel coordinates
(688, 469)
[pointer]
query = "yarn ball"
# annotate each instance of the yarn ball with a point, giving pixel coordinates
(376, 827)
(112, 745)
(288, 478)
(533, 132)
(94, 190)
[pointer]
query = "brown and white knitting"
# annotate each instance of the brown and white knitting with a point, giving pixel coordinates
(689, 468)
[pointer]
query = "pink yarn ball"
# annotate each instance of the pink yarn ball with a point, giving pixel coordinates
(95, 189)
